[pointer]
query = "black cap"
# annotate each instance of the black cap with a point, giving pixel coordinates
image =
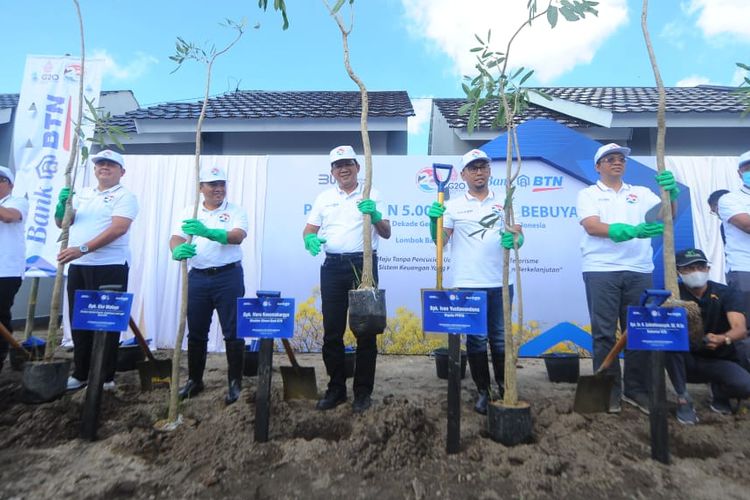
(690, 256)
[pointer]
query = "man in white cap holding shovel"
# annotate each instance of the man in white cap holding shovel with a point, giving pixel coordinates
(13, 212)
(98, 252)
(215, 280)
(617, 263)
(335, 222)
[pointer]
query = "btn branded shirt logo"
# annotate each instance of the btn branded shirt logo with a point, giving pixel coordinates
(632, 198)
(223, 217)
(108, 198)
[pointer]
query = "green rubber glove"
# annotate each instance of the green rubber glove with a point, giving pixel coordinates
(506, 240)
(649, 229)
(183, 251)
(367, 207)
(619, 232)
(197, 228)
(312, 243)
(667, 182)
(62, 198)
(435, 211)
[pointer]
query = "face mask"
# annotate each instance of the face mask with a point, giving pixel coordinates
(696, 279)
(746, 178)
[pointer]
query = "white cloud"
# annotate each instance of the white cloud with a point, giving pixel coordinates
(675, 33)
(718, 17)
(450, 25)
(422, 109)
(694, 80)
(129, 71)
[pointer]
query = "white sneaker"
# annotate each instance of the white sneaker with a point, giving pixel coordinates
(109, 386)
(75, 384)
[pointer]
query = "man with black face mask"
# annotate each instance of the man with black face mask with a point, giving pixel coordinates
(720, 357)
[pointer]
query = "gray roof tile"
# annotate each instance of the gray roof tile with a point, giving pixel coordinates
(8, 101)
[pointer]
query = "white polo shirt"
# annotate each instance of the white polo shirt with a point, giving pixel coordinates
(94, 212)
(210, 253)
(340, 221)
(476, 252)
(628, 206)
(737, 248)
(12, 239)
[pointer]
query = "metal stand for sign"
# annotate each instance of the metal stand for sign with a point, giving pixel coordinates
(92, 404)
(263, 394)
(658, 410)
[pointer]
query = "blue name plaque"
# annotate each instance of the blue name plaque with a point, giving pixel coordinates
(265, 317)
(456, 312)
(657, 329)
(101, 310)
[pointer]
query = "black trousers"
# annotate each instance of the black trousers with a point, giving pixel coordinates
(91, 278)
(338, 275)
(8, 290)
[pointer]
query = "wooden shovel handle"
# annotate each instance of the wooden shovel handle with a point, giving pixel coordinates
(11, 339)
(290, 352)
(141, 341)
(616, 350)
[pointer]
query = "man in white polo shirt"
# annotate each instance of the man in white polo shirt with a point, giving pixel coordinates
(617, 263)
(13, 212)
(215, 280)
(335, 221)
(474, 222)
(98, 252)
(734, 210)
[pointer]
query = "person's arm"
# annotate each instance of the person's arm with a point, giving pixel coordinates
(236, 236)
(117, 228)
(175, 241)
(741, 221)
(383, 228)
(737, 331)
(595, 227)
(8, 214)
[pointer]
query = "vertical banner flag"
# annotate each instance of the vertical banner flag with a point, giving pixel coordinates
(42, 142)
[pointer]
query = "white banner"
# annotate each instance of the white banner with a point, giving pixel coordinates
(42, 140)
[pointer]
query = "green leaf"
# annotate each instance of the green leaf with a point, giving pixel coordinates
(743, 66)
(337, 6)
(526, 77)
(464, 109)
(552, 16)
(478, 39)
(476, 49)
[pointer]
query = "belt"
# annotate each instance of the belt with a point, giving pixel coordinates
(349, 255)
(216, 270)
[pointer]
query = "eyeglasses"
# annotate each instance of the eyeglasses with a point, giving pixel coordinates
(610, 159)
(3, 180)
(344, 163)
(215, 184)
(478, 168)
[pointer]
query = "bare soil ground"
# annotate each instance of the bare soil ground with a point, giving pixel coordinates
(395, 450)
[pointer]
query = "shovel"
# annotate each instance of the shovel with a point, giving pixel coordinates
(299, 381)
(4, 333)
(152, 371)
(592, 391)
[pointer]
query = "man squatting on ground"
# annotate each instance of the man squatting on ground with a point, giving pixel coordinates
(335, 221)
(734, 211)
(215, 279)
(617, 263)
(98, 252)
(475, 225)
(13, 212)
(721, 356)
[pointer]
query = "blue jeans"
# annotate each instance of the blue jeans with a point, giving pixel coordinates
(730, 375)
(608, 295)
(476, 344)
(213, 290)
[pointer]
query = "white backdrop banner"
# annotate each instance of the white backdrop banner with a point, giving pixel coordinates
(42, 140)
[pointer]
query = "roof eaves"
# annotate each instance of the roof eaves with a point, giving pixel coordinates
(591, 114)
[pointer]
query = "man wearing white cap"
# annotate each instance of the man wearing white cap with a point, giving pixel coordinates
(215, 280)
(335, 222)
(475, 225)
(734, 210)
(13, 212)
(617, 263)
(98, 252)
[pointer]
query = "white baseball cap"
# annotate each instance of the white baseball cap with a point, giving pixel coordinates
(211, 174)
(5, 172)
(342, 153)
(609, 149)
(473, 155)
(110, 155)
(744, 158)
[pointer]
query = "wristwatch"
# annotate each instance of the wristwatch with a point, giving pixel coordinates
(84, 249)
(727, 339)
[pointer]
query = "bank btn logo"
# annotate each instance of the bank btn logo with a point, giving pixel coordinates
(632, 198)
(72, 72)
(426, 181)
(223, 217)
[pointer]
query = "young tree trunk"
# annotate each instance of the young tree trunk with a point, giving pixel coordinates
(31, 309)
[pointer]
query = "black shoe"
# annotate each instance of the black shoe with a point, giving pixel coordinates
(191, 389)
(235, 386)
(361, 403)
(638, 400)
(331, 400)
(481, 404)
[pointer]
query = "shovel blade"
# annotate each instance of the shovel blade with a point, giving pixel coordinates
(153, 373)
(592, 393)
(299, 382)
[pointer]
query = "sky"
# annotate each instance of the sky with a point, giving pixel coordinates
(421, 46)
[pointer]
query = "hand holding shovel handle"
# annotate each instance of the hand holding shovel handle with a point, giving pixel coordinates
(439, 232)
